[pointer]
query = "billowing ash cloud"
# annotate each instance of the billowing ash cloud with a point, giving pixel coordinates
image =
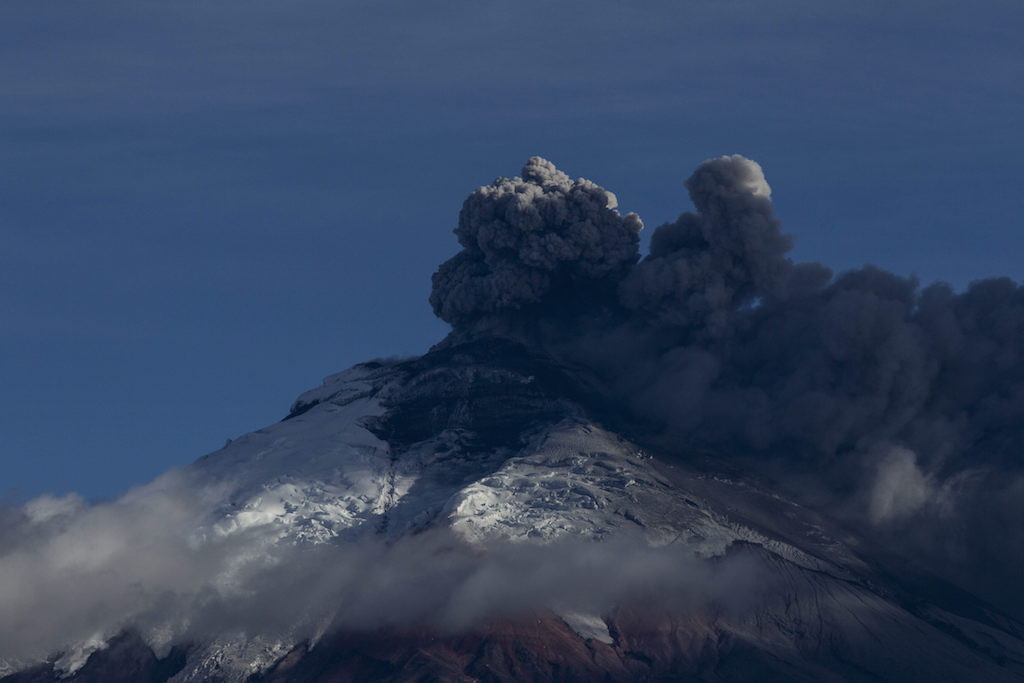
(900, 405)
(531, 238)
(710, 263)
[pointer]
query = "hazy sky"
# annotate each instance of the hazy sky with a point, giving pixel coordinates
(206, 206)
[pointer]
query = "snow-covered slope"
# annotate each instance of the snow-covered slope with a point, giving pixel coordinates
(494, 443)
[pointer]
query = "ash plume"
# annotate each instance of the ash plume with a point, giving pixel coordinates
(707, 264)
(526, 239)
(897, 405)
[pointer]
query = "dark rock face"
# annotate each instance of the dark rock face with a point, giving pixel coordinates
(650, 645)
(803, 625)
(539, 647)
(491, 389)
(127, 658)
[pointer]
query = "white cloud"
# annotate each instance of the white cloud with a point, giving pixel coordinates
(900, 488)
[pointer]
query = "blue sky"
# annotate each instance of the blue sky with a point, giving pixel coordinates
(206, 206)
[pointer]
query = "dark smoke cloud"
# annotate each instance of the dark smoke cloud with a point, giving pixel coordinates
(707, 264)
(525, 239)
(900, 405)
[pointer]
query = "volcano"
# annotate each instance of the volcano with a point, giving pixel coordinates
(712, 464)
(491, 442)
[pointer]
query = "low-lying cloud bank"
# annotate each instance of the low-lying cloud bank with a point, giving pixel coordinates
(903, 404)
(74, 574)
